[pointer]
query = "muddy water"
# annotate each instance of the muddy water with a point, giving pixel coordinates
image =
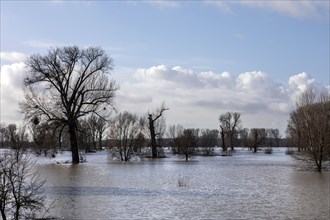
(244, 186)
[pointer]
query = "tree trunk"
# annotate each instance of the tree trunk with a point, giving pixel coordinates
(224, 147)
(3, 215)
(100, 140)
(74, 143)
(153, 137)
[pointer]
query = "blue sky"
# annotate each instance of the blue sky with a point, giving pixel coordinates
(229, 52)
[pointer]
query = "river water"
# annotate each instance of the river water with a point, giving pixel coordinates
(243, 186)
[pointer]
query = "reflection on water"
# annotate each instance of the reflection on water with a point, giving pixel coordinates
(244, 186)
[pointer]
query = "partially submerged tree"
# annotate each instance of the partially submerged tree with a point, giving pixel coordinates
(256, 137)
(67, 84)
(309, 128)
(208, 141)
(157, 127)
(45, 139)
(229, 127)
(187, 142)
(273, 137)
(174, 131)
(126, 133)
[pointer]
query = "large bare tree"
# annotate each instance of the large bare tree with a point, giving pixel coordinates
(309, 128)
(229, 125)
(157, 127)
(66, 84)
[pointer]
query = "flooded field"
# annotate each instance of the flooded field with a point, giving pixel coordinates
(244, 186)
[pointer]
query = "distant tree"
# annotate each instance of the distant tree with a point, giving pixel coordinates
(230, 123)
(309, 129)
(244, 135)
(67, 84)
(86, 135)
(173, 132)
(21, 194)
(17, 138)
(273, 137)
(256, 137)
(208, 140)
(45, 138)
(157, 127)
(187, 142)
(125, 134)
(101, 126)
(4, 138)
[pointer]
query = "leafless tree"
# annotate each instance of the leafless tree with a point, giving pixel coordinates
(4, 137)
(157, 127)
(174, 131)
(45, 138)
(256, 138)
(67, 84)
(208, 140)
(187, 142)
(230, 123)
(101, 126)
(309, 128)
(125, 134)
(20, 188)
(273, 136)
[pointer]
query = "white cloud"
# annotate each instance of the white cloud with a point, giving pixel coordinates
(195, 99)
(299, 83)
(11, 86)
(12, 56)
(304, 9)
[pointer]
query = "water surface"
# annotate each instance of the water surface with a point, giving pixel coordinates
(244, 186)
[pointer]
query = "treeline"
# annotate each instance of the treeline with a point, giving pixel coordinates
(126, 135)
(309, 129)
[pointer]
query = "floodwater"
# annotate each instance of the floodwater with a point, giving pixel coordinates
(243, 186)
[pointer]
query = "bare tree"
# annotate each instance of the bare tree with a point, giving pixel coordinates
(208, 140)
(20, 188)
(173, 132)
(273, 136)
(44, 138)
(229, 125)
(161, 126)
(101, 126)
(256, 138)
(309, 127)
(125, 134)
(4, 138)
(67, 84)
(187, 142)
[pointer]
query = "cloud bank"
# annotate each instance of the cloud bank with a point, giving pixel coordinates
(198, 98)
(195, 99)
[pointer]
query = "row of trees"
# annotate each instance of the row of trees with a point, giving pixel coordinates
(309, 129)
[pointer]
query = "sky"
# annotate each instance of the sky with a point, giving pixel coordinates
(202, 58)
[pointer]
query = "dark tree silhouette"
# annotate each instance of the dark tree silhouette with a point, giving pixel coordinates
(309, 129)
(152, 119)
(187, 142)
(229, 125)
(66, 84)
(126, 133)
